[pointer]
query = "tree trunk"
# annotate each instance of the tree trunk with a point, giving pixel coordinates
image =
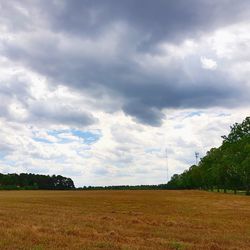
(235, 191)
(225, 190)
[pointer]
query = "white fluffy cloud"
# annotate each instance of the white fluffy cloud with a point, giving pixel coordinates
(101, 101)
(208, 63)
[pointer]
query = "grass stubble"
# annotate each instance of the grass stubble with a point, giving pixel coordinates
(125, 220)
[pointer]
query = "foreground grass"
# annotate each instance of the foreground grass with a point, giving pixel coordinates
(123, 220)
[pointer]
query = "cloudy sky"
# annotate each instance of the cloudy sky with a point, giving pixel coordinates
(97, 89)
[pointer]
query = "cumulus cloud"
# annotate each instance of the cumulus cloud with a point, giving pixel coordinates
(61, 114)
(83, 46)
(121, 68)
(208, 63)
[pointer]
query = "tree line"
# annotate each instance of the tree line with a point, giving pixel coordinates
(226, 167)
(35, 181)
(125, 187)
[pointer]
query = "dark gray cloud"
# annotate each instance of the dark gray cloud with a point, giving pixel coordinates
(60, 114)
(93, 46)
(160, 19)
(18, 104)
(12, 91)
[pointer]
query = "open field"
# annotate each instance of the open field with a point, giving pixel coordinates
(123, 220)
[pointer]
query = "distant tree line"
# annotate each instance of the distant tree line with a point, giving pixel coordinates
(226, 167)
(35, 181)
(125, 187)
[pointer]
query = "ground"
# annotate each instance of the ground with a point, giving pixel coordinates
(123, 220)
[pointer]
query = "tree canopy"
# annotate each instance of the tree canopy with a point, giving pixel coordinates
(35, 181)
(225, 167)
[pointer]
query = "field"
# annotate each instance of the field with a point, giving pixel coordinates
(123, 220)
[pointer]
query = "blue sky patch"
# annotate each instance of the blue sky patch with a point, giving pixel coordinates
(2, 155)
(88, 137)
(152, 150)
(43, 140)
(194, 113)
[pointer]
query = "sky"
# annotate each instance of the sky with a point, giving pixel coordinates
(97, 90)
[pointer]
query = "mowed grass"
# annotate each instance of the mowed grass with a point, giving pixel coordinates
(123, 220)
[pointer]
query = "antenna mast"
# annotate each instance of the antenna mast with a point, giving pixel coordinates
(166, 151)
(196, 157)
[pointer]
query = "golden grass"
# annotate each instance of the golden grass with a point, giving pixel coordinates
(123, 220)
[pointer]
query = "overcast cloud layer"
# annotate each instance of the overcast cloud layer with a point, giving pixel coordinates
(96, 90)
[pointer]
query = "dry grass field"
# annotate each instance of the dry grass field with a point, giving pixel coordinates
(123, 220)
